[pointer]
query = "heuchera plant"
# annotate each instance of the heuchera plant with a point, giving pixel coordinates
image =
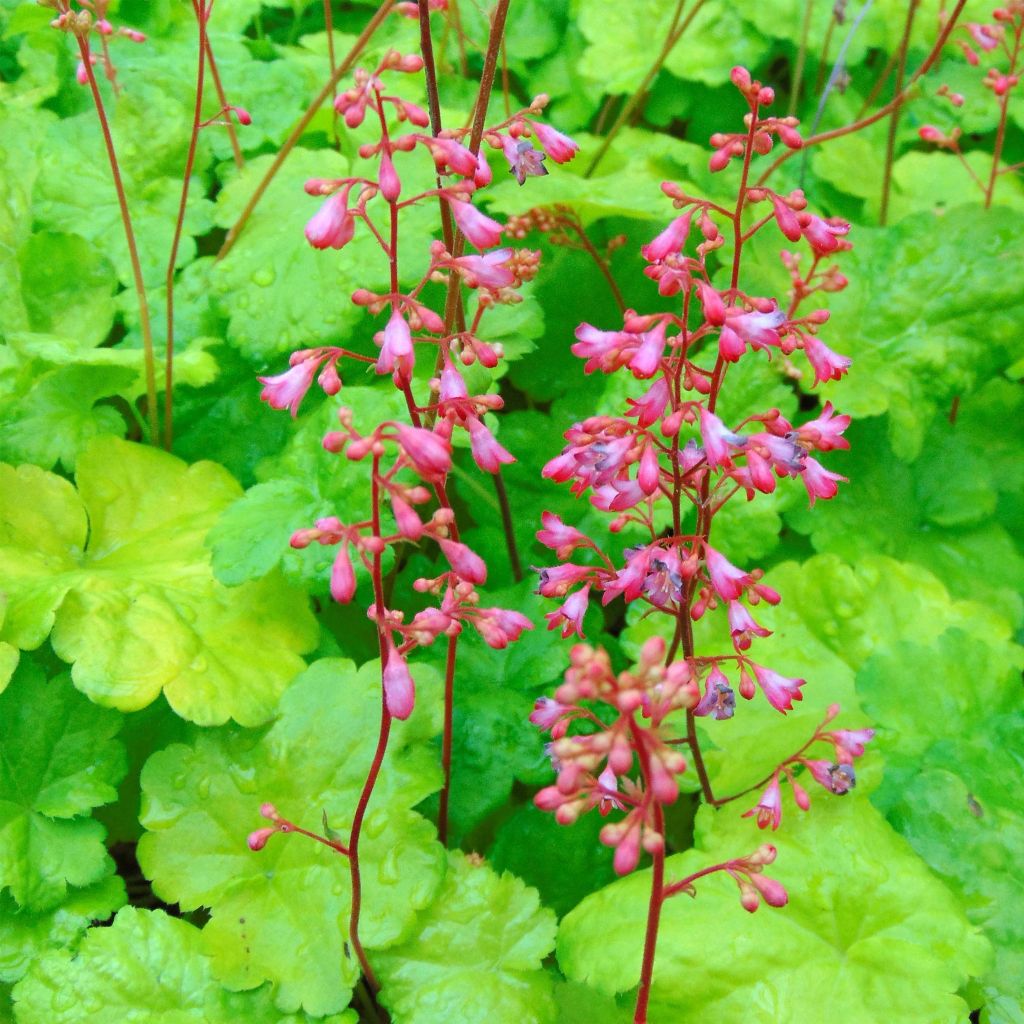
(409, 461)
(667, 465)
(1003, 38)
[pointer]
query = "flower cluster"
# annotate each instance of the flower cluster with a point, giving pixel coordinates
(663, 467)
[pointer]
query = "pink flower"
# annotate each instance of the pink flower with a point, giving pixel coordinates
(719, 700)
(714, 307)
(820, 482)
(409, 524)
(481, 230)
(448, 152)
(556, 581)
(773, 892)
(603, 350)
(780, 690)
(570, 615)
(523, 160)
(647, 358)
(396, 349)
(650, 407)
(488, 454)
(787, 220)
(546, 712)
(286, 390)
(670, 241)
(728, 581)
(823, 235)
(466, 563)
(769, 808)
(390, 186)
(559, 147)
(258, 839)
(985, 36)
(332, 226)
(836, 778)
(500, 626)
(486, 271)
(430, 455)
(755, 328)
(849, 743)
(828, 365)
(343, 580)
(717, 439)
(562, 539)
(399, 689)
(826, 432)
(742, 626)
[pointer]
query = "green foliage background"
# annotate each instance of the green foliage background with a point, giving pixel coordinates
(167, 663)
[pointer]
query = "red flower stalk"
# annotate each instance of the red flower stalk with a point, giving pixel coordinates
(664, 467)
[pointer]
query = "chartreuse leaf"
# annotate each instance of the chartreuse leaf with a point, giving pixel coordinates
(58, 759)
(146, 966)
(282, 914)
(936, 511)
(952, 730)
(300, 485)
(921, 323)
(25, 935)
(868, 928)
(832, 618)
(117, 570)
(475, 954)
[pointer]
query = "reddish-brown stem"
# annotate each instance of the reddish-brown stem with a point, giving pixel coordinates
(446, 740)
(675, 33)
(721, 801)
(302, 124)
(507, 525)
(864, 122)
(599, 260)
(382, 744)
(133, 251)
(685, 883)
(200, 9)
(236, 149)
(894, 117)
(505, 88)
(880, 81)
(1004, 106)
(797, 81)
(329, 27)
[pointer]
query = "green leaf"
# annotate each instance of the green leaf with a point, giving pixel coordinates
(58, 760)
(867, 928)
(921, 323)
(950, 749)
(936, 511)
(118, 571)
(25, 935)
(476, 954)
(200, 801)
(146, 966)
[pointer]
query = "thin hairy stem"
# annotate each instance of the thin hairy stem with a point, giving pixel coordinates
(1004, 106)
(797, 81)
(506, 522)
(133, 250)
(236, 149)
(447, 735)
(676, 30)
(302, 124)
(201, 13)
(894, 117)
(897, 100)
(329, 27)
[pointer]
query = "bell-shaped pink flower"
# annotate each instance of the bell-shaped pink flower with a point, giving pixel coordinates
(399, 688)
(559, 147)
(286, 390)
(332, 226)
(651, 406)
(670, 241)
(487, 271)
(826, 432)
(390, 186)
(396, 348)
(430, 455)
(718, 439)
(772, 892)
(820, 482)
(787, 220)
(728, 581)
(500, 626)
(849, 743)
(780, 690)
(343, 580)
(828, 365)
(742, 626)
(570, 615)
(487, 453)
(647, 358)
(523, 160)
(481, 230)
(769, 808)
(562, 539)
(408, 522)
(464, 562)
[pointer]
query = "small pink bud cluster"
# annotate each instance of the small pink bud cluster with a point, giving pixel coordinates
(80, 23)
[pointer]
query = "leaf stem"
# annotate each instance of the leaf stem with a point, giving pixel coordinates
(129, 234)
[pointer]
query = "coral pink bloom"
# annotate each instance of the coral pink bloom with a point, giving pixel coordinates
(466, 563)
(819, 481)
(730, 345)
(826, 432)
(523, 160)
(850, 743)
(430, 455)
(828, 365)
(718, 439)
(546, 712)
(670, 241)
(742, 626)
(822, 235)
(711, 301)
(769, 807)
(562, 539)
(332, 226)
(556, 580)
(500, 626)
(773, 892)
(787, 220)
(780, 690)
(647, 358)
(728, 581)
(409, 524)
(488, 454)
(649, 474)
(453, 154)
(559, 147)
(390, 186)
(986, 36)
(650, 407)
(603, 350)
(286, 390)
(758, 329)
(399, 689)
(488, 270)
(396, 349)
(343, 580)
(481, 230)
(570, 615)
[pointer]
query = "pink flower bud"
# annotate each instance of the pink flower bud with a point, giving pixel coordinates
(258, 839)
(481, 230)
(430, 455)
(465, 562)
(286, 390)
(488, 454)
(773, 893)
(343, 580)
(399, 689)
(390, 186)
(409, 524)
(671, 241)
(559, 147)
(332, 226)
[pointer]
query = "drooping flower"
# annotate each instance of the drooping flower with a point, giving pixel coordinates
(820, 482)
(286, 390)
(396, 348)
(559, 147)
(523, 160)
(562, 539)
(464, 561)
(769, 808)
(430, 454)
(332, 226)
(570, 614)
(670, 241)
(742, 626)
(487, 453)
(482, 231)
(780, 690)
(399, 689)
(728, 581)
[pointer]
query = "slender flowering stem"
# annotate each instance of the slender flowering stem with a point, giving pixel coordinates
(202, 16)
(899, 99)
(129, 233)
(1004, 107)
(894, 117)
(236, 149)
(302, 124)
(329, 28)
